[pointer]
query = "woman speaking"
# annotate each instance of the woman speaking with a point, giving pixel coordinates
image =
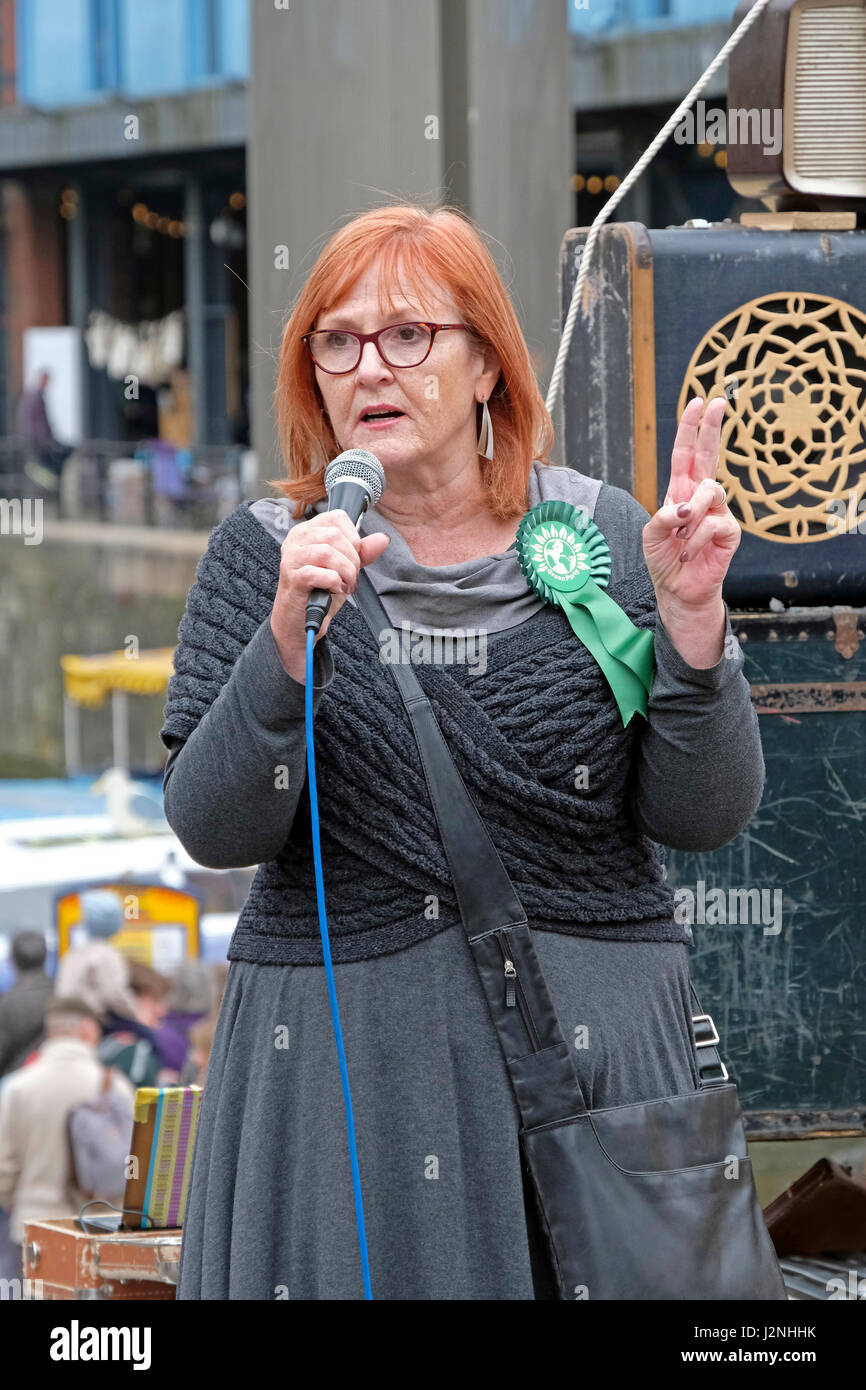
(404, 342)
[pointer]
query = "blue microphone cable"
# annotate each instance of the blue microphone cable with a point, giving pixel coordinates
(329, 969)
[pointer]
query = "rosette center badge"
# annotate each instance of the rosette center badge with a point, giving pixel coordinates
(559, 556)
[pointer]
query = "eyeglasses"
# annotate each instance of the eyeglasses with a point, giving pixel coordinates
(400, 345)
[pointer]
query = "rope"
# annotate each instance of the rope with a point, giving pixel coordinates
(626, 185)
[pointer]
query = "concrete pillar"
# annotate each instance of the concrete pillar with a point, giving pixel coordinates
(521, 152)
(340, 101)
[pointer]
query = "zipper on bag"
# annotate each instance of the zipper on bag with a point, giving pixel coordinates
(510, 984)
(514, 992)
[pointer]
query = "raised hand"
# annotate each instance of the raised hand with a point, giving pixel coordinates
(690, 542)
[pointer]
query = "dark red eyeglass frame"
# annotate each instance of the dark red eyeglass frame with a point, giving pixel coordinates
(364, 338)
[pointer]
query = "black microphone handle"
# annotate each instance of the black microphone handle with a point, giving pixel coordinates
(351, 497)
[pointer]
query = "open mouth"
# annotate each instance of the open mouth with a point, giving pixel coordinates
(372, 417)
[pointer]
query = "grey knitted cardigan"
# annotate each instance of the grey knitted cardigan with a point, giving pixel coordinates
(518, 732)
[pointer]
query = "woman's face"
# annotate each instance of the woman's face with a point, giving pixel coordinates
(437, 398)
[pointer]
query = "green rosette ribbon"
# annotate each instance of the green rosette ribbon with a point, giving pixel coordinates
(566, 561)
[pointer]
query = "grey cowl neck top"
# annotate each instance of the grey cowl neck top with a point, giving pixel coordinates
(489, 592)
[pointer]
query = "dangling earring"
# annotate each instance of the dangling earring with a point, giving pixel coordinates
(485, 438)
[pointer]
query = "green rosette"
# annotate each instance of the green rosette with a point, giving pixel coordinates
(566, 561)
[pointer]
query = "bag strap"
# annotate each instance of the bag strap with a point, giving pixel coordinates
(488, 902)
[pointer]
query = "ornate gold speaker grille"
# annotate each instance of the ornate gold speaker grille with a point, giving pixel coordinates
(793, 367)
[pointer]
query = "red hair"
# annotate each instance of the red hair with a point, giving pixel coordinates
(442, 247)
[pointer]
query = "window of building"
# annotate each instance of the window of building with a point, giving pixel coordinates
(70, 52)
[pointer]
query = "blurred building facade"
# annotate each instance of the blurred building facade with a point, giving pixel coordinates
(122, 157)
(632, 63)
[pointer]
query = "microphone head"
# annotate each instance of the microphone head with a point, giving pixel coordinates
(359, 465)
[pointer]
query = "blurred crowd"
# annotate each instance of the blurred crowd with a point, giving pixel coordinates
(73, 1051)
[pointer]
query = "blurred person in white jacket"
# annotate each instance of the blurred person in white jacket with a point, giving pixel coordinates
(35, 1103)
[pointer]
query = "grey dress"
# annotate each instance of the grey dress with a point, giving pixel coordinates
(270, 1213)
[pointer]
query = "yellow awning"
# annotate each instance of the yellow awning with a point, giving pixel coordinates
(89, 679)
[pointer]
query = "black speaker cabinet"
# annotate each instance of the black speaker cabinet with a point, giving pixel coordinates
(776, 321)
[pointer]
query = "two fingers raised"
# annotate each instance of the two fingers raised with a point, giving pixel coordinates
(697, 446)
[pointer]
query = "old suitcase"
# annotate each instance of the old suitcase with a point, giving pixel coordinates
(773, 319)
(822, 1213)
(63, 1262)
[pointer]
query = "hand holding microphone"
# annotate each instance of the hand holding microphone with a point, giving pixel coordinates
(321, 558)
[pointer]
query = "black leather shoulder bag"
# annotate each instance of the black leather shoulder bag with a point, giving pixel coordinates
(654, 1200)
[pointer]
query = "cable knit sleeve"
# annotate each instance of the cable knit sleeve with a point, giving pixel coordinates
(699, 768)
(234, 717)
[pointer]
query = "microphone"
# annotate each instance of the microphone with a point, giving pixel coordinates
(354, 481)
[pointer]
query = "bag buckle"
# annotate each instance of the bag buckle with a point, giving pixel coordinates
(707, 1035)
(701, 1041)
(710, 1080)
